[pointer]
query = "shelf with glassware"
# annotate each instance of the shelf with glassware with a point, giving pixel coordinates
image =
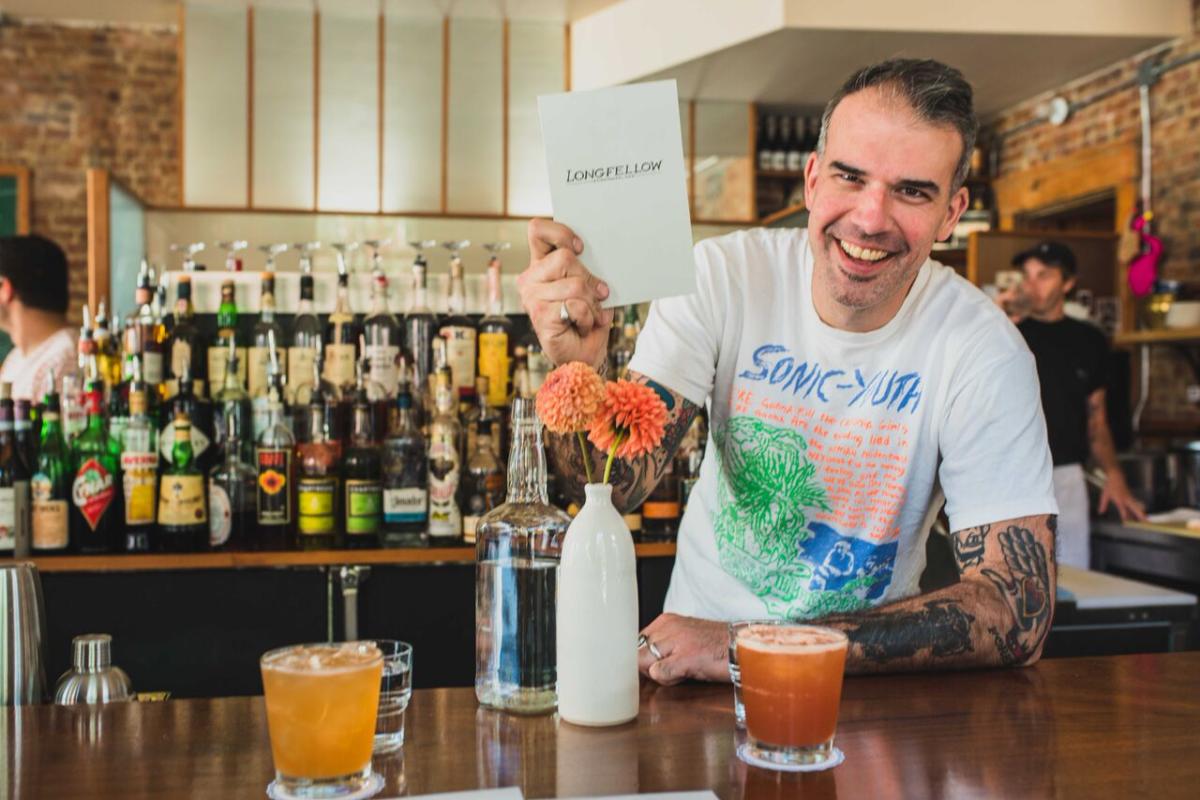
(252, 433)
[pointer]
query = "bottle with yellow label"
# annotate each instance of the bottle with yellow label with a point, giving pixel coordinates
(494, 332)
(317, 484)
(139, 467)
(182, 497)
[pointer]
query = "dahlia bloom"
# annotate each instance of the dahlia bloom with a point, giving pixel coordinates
(631, 420)
(570, 398)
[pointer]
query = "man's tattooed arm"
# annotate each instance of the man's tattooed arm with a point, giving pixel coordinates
(634, 479)
(998, 614)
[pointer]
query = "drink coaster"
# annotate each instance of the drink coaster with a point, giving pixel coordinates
(836, 757)
(371, 788)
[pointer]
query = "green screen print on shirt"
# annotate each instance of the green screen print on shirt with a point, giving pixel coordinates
(765, 486)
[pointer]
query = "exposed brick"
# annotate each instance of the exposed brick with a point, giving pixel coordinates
(1175, 102)
(88, 97)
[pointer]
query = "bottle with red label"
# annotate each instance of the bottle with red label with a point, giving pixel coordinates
(97, 503)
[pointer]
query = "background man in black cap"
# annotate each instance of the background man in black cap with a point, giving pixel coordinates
(33, 311)
(1070, 357)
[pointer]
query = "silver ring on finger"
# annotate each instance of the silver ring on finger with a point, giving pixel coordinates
(564, 315)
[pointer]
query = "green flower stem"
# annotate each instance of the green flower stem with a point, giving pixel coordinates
(587, 462)
(612, 452)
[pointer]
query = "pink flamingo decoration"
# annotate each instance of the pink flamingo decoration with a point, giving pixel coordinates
(1143, 269)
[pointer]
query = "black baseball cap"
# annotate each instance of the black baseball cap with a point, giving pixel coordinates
(1052, 254)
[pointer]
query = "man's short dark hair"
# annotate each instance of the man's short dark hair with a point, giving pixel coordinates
(37, 269)
(937, 93)
(1052, 254)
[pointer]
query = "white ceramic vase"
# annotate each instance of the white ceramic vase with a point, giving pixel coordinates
(597, 616)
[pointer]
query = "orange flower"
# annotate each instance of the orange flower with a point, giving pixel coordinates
(570, 398)
(633, 417)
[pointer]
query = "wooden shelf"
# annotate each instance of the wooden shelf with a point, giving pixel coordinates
(1158, 336)
(783, 174)
(280, 558)
(782, 213)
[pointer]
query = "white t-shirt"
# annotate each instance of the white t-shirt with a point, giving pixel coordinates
(29, 373)
(826, 446)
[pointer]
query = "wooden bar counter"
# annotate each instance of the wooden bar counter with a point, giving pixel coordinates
(1090, 727)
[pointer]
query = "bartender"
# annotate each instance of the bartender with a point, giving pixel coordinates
(1071, 358)
(33, 312)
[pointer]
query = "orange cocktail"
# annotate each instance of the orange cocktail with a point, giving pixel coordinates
(791, 687)
(321, 705)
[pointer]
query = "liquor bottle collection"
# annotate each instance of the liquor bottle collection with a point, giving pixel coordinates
(356, 431)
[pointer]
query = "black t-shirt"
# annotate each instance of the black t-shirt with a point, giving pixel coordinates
(1070, 357)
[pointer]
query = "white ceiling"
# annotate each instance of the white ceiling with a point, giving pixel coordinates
(803, 66)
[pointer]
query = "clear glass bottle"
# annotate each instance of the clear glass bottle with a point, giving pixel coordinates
(231, 403)
(420, 327)
(483, 482)
(621, 352)
(306, 333)
(232, 486)
(494, 332)
(405, 477)
(341, 335)
(445, 464)
(458, 329)
(259, 354)
(186, 345)
(537, 362)
(382, 332)
(517, 551)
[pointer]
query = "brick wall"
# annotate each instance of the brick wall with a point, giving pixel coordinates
(74, 97)
(1175, 101)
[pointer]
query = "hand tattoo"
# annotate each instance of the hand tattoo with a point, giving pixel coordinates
(1026, 588)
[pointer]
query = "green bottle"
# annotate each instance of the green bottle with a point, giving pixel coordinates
(97, 504)
(182, 499)
(51, 482)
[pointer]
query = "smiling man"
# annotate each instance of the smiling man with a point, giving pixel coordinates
(850, 381)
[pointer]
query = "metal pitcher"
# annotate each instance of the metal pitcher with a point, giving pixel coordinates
(22, 635)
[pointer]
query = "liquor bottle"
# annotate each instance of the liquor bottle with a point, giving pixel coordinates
(363, 473)
(259, 353)
(474, 410)
(97, 513)
(143, 290)
(660, 512)
(767, 149)
(457, 329)
(484, 481)
(232, 404)
(382, 335)
(317, 480)
(12, 471)
(688, 459)
(276, 386)
(341, 335)
(108, 360)
(537, 361)
(186, 342)
(182, 498)
(494, 332)
(622, 350)
(517, 558)
(445, 518)
(520, 378)
(273, 456)
(51, 482)
(24, 434)
(794, 156)
(779, 153)
(139, 468)
(306, 333)
(87, 361)
(405, 477)
(231, 492)
(218, 352)
(232, 262)
(420, 326)
(200, 414)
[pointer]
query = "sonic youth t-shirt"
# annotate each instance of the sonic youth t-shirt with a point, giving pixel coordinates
(826, 446)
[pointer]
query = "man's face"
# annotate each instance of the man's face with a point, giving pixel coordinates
(878, 198)
(1045, 286)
